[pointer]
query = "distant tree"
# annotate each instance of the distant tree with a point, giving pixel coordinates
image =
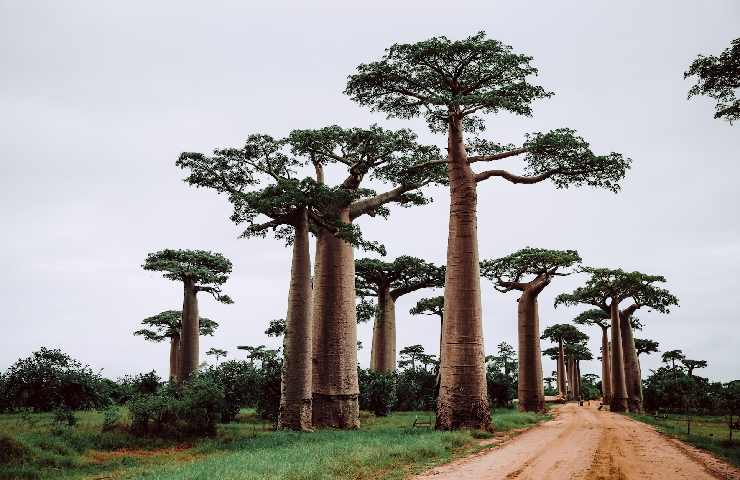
(502, 375)
(388, 281)
(646, 346)
(199, 271)
(217, 352)
(415, 353)
(600, 318)
(452, 83)
(691, 365)
(431, 306)
(719, 78)
(529, 271)
(673, 356)
(606, 289)
(562, 334)
(259, 354)
(167, 325)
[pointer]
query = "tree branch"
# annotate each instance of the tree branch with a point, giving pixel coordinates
(497, 156)
(514, 178)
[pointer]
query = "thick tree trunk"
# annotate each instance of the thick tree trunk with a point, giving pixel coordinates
(383, 353)
(569, 377)
(530, 391)
(335, 383)
(296, 391)
(619, 386)
(190, 332)
(606, 382)
(463, 397)
(631, 366)
(562, 374)
(174, 357)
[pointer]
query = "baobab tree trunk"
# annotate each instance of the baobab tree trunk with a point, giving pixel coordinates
(335, 383)
(606, 380)
(530, 390)
(296, 391)
(463, 396)
(174, 354)
(562, 374)
(569, 376)
(190, 332)
(631, 367)
(619, 386)
(578, 378)
(383, 353)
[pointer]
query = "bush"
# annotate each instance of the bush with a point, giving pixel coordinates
(129, 386)
(240, 383)
(377, 391)
(268, 388)
(416, 389)
(12, 452)
(51, 379)
(191, 409)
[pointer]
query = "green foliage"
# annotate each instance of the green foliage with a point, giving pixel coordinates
(207, 269)
(502, 375)
(377, 391)
(217, 352)
(691, 365)
(719, 78)
(646, 346)
(402, 276)
(673, 356)
(436, 76)
(130, 386)
(594, 316)
(111, 418)
(590, 387)
(240, 382)
(429, 306)
(564, 332)
(276, 328)
(515, 271)
(51, 379)
(168, 324)
(366, 310)
(268, 387)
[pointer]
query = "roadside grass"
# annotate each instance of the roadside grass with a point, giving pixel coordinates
(32, 447)
(710, 433)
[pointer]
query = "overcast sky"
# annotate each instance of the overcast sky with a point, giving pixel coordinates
(98, 98)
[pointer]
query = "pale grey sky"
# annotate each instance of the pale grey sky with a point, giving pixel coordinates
(98, 98)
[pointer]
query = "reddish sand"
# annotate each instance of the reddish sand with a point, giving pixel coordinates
(583, 443)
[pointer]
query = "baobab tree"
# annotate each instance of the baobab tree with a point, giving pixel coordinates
(199, 271)
(388, 281)
(217, 352)
(390, 157)
(606, 289)
(452, 83)
(691, 365)
(529, 271)
(646, 346)
(574, 353)
(431, 306)
(562, 334)
(719, 78)
(167, 325)
(600, 318)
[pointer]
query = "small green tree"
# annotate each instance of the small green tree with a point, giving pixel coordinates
(529, 271)
(646, 346)
(167, 325)
(217, 352)
(452, 83)
(388, 281)
(719, 78)
(199, 271)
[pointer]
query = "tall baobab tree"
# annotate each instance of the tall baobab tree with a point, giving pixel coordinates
(388, 281)
(167, 325)
(291, 208)
(574, 354)
(529, 271)
(452, 83)
(562, 334)
(606, 289)
(719, 78)
(600, 318)
(691, 365)
(199, 271)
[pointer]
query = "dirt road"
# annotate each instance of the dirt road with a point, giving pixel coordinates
(583, 443)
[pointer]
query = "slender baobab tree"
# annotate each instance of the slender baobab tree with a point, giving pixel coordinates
(388, 281)
(606, 289)
(719, 78)
(199, 271)
(600, 318)
(452, 83)
(167, 325)
(574, 353)
(562, 334)
(529, 271)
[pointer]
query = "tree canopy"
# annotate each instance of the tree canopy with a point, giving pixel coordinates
(718, 77)
(402, 276)
(646, 346)
(207, 270)
(276, 328)
(673, 356)
(594, 316)
(429, 306)
(168, 324)
(515, 271)
(563, 332)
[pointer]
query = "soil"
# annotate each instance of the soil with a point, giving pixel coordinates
(583, 443)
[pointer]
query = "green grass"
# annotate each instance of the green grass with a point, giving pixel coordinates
(32, 448)
(707, 432)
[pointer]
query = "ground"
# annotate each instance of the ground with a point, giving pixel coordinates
(32, 447)
(583, 443)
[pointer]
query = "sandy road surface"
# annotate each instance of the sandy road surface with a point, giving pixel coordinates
(583, 443)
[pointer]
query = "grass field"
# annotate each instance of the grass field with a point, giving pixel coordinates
(709, 433)
(32, 447)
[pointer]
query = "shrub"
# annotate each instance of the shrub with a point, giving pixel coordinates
(240, 383)
(12, 452)
(268, 388)
(377, 391)
(51, 379)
